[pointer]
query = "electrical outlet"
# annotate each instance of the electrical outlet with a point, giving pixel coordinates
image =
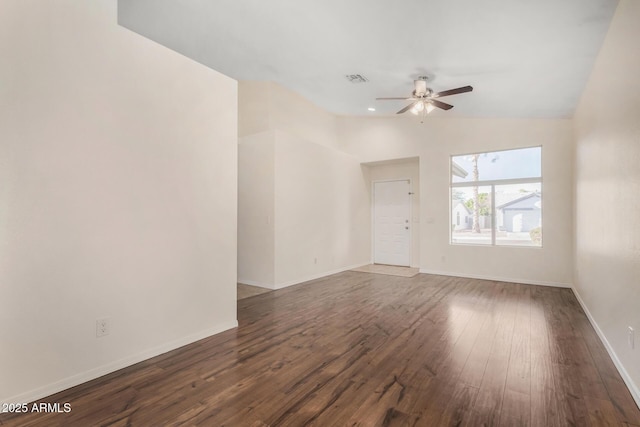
(632, 338)
(102, 327)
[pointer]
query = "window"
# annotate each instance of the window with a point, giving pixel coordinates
(498, 196)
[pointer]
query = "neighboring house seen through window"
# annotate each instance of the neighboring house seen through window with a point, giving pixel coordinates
(498, 195)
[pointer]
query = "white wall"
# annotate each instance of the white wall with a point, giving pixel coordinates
(377, 139)
(319, 195)
(254, 107)
(403, 169)
(266, 105)
(384, 138)
(323, 213)
(607, 192)
(118, 169)
(256, 212)
(295, 115)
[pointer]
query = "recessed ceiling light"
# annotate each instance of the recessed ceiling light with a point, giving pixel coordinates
(371, 109)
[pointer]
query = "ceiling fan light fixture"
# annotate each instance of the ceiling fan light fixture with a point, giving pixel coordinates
(418, 107)
(430, 108)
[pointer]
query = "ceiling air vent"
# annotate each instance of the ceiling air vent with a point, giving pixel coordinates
(356, 78)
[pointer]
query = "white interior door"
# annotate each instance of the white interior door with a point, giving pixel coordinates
(391, 222)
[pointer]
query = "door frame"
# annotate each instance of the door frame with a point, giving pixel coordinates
(373, 216)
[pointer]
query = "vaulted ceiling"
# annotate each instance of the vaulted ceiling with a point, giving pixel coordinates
(524, 58)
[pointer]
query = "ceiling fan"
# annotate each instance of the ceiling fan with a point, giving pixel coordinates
(424, 99)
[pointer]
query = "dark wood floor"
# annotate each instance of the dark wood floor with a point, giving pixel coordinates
(366, 349)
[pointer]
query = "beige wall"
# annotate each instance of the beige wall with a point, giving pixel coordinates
(378, 139)
(256, 209)
(319, 195)
(402, 169)
(607, 192)
(117, 196)
(254, 107)
(267, 105)
(322, 211)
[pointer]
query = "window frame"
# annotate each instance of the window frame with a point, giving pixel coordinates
(493, 183)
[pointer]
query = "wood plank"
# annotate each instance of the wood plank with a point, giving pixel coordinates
(488, 404)
(364, 349)
(545, 410)
(516, 404)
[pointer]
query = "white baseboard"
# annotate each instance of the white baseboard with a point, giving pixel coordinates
(318, 276)
(256, 283)
(83, 377)
(633, 388)
(498, 278)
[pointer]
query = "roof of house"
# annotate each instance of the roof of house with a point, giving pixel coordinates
(464, 206)
(458, 170)
(519, 199)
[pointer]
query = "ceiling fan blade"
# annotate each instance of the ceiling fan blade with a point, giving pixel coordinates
(388, 99)
(442, 105)
(452, 92)
(405, 109)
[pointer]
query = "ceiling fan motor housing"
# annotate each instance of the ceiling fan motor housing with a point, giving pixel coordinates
(421, 87)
